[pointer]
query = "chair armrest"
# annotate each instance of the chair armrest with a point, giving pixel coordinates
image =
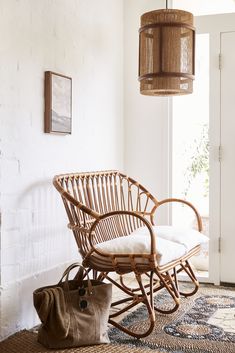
(119, 213)
(199, 220)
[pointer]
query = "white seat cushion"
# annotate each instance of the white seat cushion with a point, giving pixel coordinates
(167, 250)
(187, 237)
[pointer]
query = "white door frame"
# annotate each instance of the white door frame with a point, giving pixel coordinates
(214, 25)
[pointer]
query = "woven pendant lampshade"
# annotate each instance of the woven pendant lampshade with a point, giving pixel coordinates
(166, 53)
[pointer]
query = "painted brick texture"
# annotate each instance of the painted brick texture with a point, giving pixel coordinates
(84, 40)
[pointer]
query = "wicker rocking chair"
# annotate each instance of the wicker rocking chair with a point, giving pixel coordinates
(112, 219)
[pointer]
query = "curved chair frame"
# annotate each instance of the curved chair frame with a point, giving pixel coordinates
(105, 205)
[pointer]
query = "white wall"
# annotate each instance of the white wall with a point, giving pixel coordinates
(205, 7)
(82, 39)
(146, 117)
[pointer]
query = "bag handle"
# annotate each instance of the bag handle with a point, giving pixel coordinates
(70, 268)
(66, 275)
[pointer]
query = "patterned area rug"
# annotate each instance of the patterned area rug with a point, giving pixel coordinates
(204, 323)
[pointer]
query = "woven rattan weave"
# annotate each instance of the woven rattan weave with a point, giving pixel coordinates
(166, 53)
(102, 206)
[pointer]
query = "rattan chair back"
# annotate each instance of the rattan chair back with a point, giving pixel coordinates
(104, 206)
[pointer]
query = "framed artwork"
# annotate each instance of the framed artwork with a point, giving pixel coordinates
(58, 103)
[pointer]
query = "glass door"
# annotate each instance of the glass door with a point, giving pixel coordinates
(190, 152)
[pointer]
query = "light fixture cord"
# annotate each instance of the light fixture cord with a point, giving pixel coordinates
(167, 4)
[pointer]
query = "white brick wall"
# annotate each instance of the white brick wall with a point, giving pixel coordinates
(82, 39)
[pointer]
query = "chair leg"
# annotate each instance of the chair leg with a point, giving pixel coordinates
(136, 289)
(145, 294)
(143, 298)
(168, 283)
(189, 271)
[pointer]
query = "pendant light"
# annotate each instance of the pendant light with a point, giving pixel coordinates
(166, 52)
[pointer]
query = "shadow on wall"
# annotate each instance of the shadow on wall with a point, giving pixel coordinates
(35, 237)
(37, 246)
(44, 235)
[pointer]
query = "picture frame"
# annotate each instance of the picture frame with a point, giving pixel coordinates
(58, 103)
